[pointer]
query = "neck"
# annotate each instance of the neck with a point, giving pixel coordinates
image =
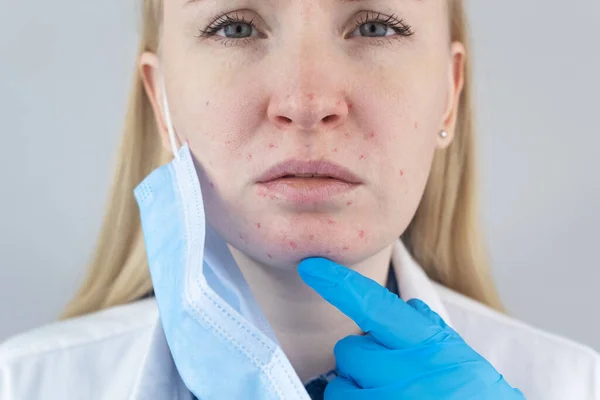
(306, 326)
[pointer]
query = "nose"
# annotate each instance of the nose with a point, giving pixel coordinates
(309, 111)
(307, 92)
(316, 110)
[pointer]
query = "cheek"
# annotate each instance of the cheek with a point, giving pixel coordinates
(217, 109)
(399, 146)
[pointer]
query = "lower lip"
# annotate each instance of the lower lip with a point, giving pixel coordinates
(305, 190)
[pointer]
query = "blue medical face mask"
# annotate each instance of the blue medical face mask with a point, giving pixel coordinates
(221, 342)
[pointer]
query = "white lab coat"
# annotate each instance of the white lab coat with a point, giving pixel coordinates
(121, 353)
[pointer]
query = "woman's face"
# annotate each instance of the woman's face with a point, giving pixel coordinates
(366, 85)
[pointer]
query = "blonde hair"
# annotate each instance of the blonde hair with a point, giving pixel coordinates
(443, 236)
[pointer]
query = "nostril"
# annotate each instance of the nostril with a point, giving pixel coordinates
(331, 118)
(283, 120)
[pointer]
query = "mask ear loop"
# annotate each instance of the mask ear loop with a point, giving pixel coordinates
(169, 122)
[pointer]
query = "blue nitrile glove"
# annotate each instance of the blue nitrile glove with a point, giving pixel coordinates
(408, 351)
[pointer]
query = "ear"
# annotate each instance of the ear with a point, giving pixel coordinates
(148, 64)
(456, 80)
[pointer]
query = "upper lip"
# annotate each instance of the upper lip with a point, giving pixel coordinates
(319, 168)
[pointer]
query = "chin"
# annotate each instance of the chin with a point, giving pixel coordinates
(289, 258)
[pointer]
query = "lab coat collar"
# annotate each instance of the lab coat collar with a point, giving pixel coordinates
(158, 378)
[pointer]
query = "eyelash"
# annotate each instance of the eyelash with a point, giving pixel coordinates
(397, 24)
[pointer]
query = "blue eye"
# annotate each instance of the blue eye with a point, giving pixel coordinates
(234, 27)
(238, 30)
(374, 25)
(374, 29)
(377, 25)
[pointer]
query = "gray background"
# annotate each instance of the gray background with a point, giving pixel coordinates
(65, 67)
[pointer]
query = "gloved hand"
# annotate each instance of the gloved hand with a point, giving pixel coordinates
(408, 351)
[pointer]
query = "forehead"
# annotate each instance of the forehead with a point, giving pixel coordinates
(186, 3)
(422, 7)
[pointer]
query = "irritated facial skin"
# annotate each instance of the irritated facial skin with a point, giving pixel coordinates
(363, 85)
(308, 80)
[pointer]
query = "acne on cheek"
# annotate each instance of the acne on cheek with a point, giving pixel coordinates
(370, 136)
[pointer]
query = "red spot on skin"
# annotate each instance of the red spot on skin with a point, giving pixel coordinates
(307, 145)
(361, 234)
(347, 134)
(401, 172)
(346, 248)
(330, 221)
(335, 150)
(337, 103)
(272, 197)
(249, 156)
(258, 225)
(372, 135)
(311, 96)
(293, 245)
(228, 142)
(311, 237)
(416, 124)
(362, 157)
(270, 256)
(271, 145)
(349, 203)
(350, 105)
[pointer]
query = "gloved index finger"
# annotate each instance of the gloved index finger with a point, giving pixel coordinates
(371, 306)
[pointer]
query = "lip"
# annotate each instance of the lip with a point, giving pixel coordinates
(330, 180)
(317, 167)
